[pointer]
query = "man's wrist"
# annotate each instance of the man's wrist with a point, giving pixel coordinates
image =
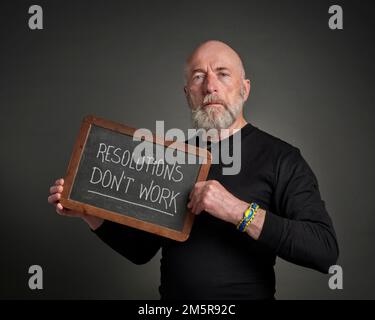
(255, 228)
(238, 212)
(93, 222)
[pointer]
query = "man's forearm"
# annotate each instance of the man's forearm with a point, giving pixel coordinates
(313, 246)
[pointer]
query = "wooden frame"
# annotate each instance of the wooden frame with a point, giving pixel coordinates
(72, 170)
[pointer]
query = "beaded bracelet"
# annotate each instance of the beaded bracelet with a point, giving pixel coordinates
(248, 217)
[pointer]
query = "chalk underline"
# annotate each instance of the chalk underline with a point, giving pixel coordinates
(136, 204)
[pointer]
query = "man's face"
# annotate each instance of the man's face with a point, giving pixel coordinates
(215, 88)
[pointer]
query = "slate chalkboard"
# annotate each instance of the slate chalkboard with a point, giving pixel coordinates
(106, 179)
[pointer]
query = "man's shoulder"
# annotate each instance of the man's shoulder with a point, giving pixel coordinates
(281, 153)
(270, 142)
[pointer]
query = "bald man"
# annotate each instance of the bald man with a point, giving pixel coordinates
(272, 207)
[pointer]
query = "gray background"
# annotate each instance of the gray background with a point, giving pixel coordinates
(311, 86)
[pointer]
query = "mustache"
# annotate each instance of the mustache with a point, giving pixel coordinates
(212, 98)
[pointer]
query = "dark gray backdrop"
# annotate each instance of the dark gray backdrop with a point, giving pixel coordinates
(122, 60)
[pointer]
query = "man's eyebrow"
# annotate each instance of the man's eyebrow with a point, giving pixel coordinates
(222, 69)
(204, 71)
(198, 70)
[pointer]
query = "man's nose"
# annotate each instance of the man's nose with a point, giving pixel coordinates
(211, 84)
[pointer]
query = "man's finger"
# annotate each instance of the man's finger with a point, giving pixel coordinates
(195, 204)
(199, 209)
(55, 189)
(193, 198)
(66, 212)
(60, 211)
(59, 182)
(63, 211)
(196, 189)
(54, 197)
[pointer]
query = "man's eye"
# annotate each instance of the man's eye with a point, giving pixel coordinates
(198, 77)
(224, 74)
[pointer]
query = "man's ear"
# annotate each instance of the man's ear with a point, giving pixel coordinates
(247, 85)
(185, 90)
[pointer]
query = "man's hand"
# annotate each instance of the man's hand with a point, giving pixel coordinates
(212, 197)
(54, 198)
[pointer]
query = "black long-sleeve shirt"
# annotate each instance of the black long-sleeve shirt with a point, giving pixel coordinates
(218, 261)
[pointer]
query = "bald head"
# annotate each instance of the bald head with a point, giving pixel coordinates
(216, 88)
(213, 50)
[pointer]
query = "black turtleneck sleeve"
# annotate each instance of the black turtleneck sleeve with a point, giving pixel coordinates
(302, 231)
(136, 245)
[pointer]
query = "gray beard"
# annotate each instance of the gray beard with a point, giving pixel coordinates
(205, 117)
